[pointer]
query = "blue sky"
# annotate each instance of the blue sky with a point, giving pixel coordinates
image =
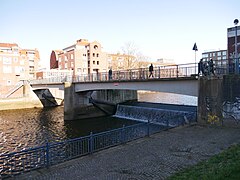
(159, 29)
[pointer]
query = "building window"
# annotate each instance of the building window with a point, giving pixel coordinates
(97, 62)
(95, 47)
(7, 60)
(66, 66)
(65, 58)
(219, 53)
(93, 54)
(7, 69)
(93, 62)
(9, 82)
(71, 56)
(224, 53)
(97, 54)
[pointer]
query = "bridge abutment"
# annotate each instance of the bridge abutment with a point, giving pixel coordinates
(219, 101)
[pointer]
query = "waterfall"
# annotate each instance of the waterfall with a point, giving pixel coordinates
(171, 117)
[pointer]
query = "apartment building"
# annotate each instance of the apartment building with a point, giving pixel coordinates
(82, 58)
(219, 57)
(16, 64)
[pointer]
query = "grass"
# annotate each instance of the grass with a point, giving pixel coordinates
(223, 166)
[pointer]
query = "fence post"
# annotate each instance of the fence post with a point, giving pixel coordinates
(167, 124)
(122, 134)
(177, 71)
(47, 154)
(148, 128)
(91, 143)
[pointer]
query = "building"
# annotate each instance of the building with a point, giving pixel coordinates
(16, 64)
(219, 57)
(231, 33)
(82, 58)
(54, 73)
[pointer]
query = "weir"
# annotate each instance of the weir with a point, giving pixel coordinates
(167, 117)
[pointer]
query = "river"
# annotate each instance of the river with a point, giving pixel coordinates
(26, 128)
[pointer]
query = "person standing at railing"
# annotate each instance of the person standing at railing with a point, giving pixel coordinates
(211, 67)
(200, 67)
(151, 70)
(110, 74)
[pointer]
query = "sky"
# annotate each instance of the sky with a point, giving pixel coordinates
(158, 28)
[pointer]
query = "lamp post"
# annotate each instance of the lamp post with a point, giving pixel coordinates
(236, 53)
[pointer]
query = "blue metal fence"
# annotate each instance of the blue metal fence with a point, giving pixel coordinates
(53, 153)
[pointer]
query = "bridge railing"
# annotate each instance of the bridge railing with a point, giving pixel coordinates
(169, 71)
(53, 153)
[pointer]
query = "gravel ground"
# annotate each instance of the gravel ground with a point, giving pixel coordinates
(154, 157)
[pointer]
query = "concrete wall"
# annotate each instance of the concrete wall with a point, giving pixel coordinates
(219, 101)
(28, 99)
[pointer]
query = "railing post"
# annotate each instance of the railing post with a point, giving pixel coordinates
(47, 155)
(91, 143)
(123, 134)
(159, 74)
(177, 71)
(167, 124)
(148, 128)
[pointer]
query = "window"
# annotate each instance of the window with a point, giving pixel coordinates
(93, 62)
(9, 82)
(97, 62)
(71, 56)
(7, 69)
(204, 55)
(66, 66)
(219, 53)
(93, 54)
(7, 60)
(97, 54)
(95, 47)
(224, 53)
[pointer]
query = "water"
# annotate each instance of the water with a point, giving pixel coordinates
(26, 128)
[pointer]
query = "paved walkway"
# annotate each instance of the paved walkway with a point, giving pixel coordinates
(156, 157)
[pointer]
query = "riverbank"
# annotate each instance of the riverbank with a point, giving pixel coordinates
(155, 157)
(19, 103)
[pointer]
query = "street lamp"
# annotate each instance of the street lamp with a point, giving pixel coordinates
(236, 53)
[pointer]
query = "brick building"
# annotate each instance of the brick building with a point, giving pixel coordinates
(16, 64)
(82, 58)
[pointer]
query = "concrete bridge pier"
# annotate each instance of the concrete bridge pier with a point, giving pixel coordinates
(92, 103)
(76, 105)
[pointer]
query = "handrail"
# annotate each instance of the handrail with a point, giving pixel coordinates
(15, 163)
(159, 72)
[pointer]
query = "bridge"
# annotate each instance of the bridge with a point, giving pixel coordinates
(78, 90)
(179, 79)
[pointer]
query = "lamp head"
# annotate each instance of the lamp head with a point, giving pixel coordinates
(235, 22)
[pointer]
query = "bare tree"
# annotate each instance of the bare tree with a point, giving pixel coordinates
(130, 50)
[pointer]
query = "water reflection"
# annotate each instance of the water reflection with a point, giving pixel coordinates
(33, 127)
(25, 128)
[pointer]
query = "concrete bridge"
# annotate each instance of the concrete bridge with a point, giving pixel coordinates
(81, 92)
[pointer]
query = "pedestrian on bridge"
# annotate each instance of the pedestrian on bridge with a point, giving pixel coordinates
(110, 74)
(151, 70)
(200, 67)
(211, 67)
